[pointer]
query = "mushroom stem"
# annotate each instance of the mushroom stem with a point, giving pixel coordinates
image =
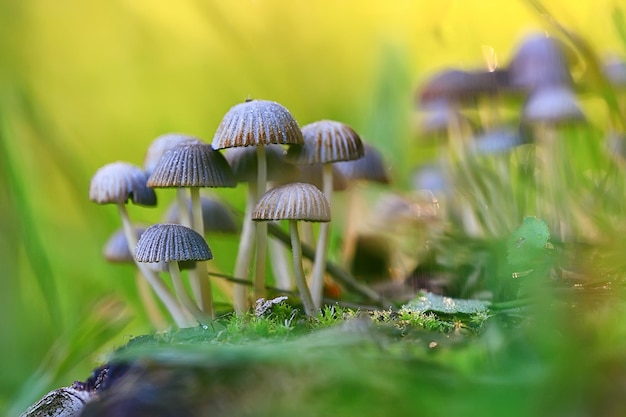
(296, 250)
(199, 275)
(261, 228)
(184, 298)
(280, 264)
(323, 239)
(152, 309)
(157, 285)
(183, 213)
(244, 252)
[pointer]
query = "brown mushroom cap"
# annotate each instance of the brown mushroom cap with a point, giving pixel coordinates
(192, 164)
(160, 146)
(171, 243)
(326, 141)
(295, 201)
(117, 182)
(257, 122)
(369, 168)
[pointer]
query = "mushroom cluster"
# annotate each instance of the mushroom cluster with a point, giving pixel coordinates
(282, 165)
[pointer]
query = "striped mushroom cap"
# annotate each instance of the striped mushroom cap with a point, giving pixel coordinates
(327, 141)
(160, 145)
(369, 168)
(216, 216)
(295, 201)
(244, 163)
(192, 164)
(171, 243)
(117, 182)
(257, 122)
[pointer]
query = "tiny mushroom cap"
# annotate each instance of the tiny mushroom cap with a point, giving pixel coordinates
(497, 141)
(171, 243)
(192, 164)
(327, 141)
(540, 61)
(116, 248)
(295, 201)
(117, 182)
(369, 168)
(160, 146)
(454, 85)
(244, 163)
(257, 122)
(217, 217)
(556, 104)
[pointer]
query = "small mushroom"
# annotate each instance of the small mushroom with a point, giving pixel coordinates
(295, 202)
(116, 183)
(325, 142)
(194, 164)
(255, 123)
(174, 243)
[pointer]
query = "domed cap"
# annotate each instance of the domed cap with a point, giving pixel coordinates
(296, 201)
(117, 182)
(327, 141)
(216, 216)
(553, 105)
(171, 243)
(192, 164)
(160, 145)
(257, 122)
(116, 248)
(457, 85)
(244, 163)
(369, 168)
(539, 62)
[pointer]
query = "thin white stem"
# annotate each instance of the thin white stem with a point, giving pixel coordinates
(200, 277)
(319, 265)
(350, 227)
(296, 250)
(280, 264)
(155, 282)
(183, 297)
(147, 299)
(245, 253)
(261, 228)
(183, 211)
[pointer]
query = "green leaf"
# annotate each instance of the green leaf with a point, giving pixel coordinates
(528, 243)
(440, 304)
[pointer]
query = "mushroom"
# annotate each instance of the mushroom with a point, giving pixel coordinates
(295, 202)
(255, 123)
(194, 164)
(369, 168)
(174, 243)
(116, 183)
(244, 162)
(546, 111)
(325, 142)
(116, 251)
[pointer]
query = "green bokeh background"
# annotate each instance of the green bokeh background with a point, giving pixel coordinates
(83, 84)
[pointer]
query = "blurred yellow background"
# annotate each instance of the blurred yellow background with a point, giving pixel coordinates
(87, 83)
